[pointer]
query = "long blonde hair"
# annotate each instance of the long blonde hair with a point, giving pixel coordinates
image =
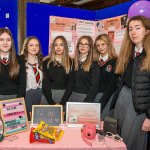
(86, 65)
(111, 50)
(65, 57)
(24, 51)
(13, 62)
(126, 52)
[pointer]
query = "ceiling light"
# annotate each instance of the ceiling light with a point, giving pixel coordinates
(82, 2)
(47, 1)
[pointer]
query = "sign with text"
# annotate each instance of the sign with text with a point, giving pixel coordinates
(80, 113)
(51, 114)
(14, 115)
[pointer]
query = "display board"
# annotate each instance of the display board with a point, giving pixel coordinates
(13, 113)
(79, 113)
(51, 114)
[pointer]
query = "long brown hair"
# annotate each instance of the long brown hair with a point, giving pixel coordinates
(111, 50)
(13, 62)
(65, 57)
(126, 52)
(86, 65)
(24, 51)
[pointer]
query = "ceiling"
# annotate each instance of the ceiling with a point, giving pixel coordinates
(85, 4)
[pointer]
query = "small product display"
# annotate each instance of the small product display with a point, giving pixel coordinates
(37, 137)
(53, 133)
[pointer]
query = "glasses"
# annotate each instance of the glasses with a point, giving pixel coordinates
(116, 137)
(83, 45)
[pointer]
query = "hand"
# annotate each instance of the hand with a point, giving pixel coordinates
(146, 125)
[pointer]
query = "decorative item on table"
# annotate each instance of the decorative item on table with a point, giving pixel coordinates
(110, 125)
(88, 131)
(54, 133)
(1, 129)
(37, 137)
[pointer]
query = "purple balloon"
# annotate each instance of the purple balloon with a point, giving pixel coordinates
(139, 8)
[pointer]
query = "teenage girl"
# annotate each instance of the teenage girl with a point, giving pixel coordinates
(12, 68)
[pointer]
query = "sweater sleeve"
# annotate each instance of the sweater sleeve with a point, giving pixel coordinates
(68, 89)
(46, 88)
(22, 78)
(109, 91)
(94, 71)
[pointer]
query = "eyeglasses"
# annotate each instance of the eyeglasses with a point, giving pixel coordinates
(83, 45)
(116, 137)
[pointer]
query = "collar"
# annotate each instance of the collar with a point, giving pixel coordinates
(105, 58)
(7, 57)
(140, 50)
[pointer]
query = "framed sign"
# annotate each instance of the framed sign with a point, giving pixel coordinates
(13, 113)
(79, 113)
(51, 114)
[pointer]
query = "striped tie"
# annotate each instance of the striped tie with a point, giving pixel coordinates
(4, 61)
(36, 72)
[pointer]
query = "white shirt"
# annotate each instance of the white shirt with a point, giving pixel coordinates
(136, 50)
(105, 58)
(31, 80)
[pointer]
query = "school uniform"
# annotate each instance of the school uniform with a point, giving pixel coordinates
(57, 84)
(34, 86)
(86, 83)
(12, 88)
(132, 104)
(107, 67)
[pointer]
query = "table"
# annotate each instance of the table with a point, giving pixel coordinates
(70, 140)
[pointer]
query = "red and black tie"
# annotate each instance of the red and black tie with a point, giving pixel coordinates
(102, 62)
(5, 61)
(137, 54)
(36, 72)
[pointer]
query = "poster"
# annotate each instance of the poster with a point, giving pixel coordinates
(14, 115)
(79, 113)
(114, 27)
(71, 29)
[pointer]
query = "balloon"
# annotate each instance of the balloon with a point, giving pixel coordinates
(139, 8)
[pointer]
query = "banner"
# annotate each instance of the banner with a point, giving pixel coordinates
(72, 29)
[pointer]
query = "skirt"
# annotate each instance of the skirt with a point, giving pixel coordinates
(56, 96)
(77, 97)
(105, 111)
(129, 122)
(7, 97)
(33, 97)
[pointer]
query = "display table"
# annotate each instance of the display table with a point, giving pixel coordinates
(70, 140)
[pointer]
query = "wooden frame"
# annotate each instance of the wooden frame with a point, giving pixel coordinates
(14, 115)
(79, 113)
(51, 114)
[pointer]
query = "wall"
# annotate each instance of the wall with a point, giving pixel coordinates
(114, 11)
(38, 19)
(11, 7)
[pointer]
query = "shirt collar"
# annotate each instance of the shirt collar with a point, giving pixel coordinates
(140, 50)
(7, 57)
(104, 58)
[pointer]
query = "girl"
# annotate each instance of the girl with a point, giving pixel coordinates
(57, 68)
(86, 77)
(132, 97)
(12, 68)
(104, 54)
(31, 52)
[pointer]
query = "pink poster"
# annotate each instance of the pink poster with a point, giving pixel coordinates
(114, 27)
(71, 29)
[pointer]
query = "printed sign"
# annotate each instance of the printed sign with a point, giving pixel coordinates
(80, 113)
(14, 115)
(51, 114)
